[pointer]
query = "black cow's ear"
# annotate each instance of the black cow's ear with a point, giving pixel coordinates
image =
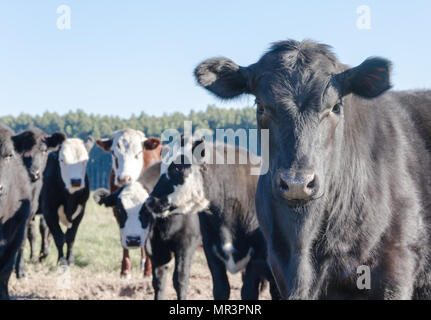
(105, 197)
(55, 140)
(24, 141)
(368, 80)
(89, 143)
(151, 143)
(105, 144)
(223, 77)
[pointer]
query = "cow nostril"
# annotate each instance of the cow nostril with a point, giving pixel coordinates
(312, 183)
(283, 185)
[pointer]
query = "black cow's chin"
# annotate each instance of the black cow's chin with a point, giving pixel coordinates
(296, 204)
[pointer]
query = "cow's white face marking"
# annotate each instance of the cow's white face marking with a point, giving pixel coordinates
(127, 155)
(189, 197)
(62, 216)
(73, 159)
(132, 198)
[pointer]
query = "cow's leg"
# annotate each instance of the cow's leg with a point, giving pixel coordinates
(145, 263)
(58, 235)
(221, 287)
(44, 233)
(4, 294)
(20, 261)
(126, 265)
(13, 231)
(209, 233)
(159, 261)
(31, 236)
(70, 237)
(251, 281)
(183, 261)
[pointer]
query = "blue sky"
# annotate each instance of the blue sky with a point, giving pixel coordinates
(125, 57)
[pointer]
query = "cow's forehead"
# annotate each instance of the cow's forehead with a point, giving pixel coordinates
(128, 139)
(292, 69)
(133, 195)
(73, 150)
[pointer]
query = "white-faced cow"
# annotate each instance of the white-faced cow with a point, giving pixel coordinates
(15, 200)
(65, 192)
(132, 152)
(348, 189)
(222, 195)
(177, 234)
(33, 145)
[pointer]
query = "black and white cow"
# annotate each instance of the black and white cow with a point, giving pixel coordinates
(65, 192)
(15, 200)
(222, 195)
(176, 234)
(132, 153)
(34, 145)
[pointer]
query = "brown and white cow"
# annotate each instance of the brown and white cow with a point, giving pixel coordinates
(132, 152)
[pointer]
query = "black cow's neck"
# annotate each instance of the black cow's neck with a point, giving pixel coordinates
(349, 178)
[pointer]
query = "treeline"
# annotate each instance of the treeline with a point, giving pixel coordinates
(80, 124)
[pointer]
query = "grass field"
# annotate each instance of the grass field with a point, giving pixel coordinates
(95, 274)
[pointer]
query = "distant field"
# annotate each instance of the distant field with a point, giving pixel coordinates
(95, 274)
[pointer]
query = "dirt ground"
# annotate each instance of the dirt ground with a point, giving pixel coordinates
(43, 282)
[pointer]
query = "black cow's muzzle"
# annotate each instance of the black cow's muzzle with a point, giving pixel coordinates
(296, 187)
(133, 241)
(35, 175)
(76, 183)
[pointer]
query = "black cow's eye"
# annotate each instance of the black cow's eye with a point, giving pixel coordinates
(179, 168)
(336, 109)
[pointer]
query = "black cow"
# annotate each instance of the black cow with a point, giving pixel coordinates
(15, 199)
(348, 188)
(34, 145)
(65, 192)
(178, 234)
(222, 195)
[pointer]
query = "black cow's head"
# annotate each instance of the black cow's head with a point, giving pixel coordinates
(132, 217)
(9, 159)
(180, 188)
(302, 94)
(34, 145)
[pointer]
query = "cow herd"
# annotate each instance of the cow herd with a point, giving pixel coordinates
(348, 186)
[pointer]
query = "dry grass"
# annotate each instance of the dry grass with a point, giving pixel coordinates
(95, 274)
